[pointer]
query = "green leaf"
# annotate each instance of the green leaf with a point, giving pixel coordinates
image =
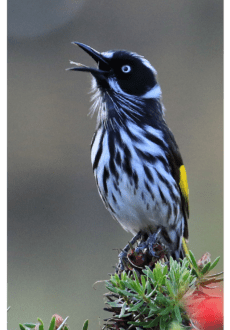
(143, 281)
(150, 275)
(152, 292)
(136, 277)
(148, 288)
(193, 260)
(41, 326)
(152, 323)
(116, 277)
(143, 311)
(39, 320)
(85, 325)
(157, 272)
(165, 270)
(112, 289)
(126, 293)
(138, 287)
(30, 325)
(21, 327)
(153, 311)
(122, 313)
(172, 272)
(185, 263)
(162, 300)
(194, 272)
(206, 268)
(177, 313)
(117, 303)
(177, 273)
(124, 276)
(136, 307)
(113, 282)
(153, 307)
(215, 262)
(170, 288)
(52, 324)
(165, 311)
(146, 270)
(130, 285)
(162, 323)
(185, 276)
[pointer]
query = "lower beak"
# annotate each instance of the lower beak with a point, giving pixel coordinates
(98, 57)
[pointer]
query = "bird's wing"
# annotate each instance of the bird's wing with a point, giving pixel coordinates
(179, 174)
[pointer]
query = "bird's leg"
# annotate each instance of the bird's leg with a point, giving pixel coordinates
(151, 241)
(148, 244)
(141, 247)
(122, 257)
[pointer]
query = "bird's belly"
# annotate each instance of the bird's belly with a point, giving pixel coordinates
(138, 190)
(138, 204)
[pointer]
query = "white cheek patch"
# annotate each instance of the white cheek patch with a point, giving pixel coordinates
(154, 93)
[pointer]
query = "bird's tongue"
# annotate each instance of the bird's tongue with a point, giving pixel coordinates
(78, 64)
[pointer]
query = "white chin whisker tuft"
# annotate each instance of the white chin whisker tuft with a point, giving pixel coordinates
(98, 104)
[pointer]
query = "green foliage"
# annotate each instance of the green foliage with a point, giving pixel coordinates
(154, 299)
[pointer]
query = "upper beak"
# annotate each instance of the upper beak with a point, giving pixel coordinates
(98, 57)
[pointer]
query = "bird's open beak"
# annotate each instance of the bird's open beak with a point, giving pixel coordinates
(98, 57)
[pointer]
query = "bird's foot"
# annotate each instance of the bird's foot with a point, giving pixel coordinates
(151, 241)
(147, 252)
(122, 257)
(148, 244)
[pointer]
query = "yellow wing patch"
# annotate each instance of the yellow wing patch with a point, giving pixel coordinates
(184, 183)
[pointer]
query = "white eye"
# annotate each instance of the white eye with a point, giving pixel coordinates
(126, 68)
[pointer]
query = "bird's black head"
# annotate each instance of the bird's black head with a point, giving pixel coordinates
(122, 72)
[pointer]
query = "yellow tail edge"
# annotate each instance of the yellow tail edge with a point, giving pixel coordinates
(185, 247)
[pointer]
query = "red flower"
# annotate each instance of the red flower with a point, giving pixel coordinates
(205, 308)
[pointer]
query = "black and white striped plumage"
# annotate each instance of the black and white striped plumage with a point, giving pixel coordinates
(136, 162)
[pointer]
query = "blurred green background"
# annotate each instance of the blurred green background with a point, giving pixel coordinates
(60, 237)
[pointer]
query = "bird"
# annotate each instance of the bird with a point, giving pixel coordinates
(138, 168)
